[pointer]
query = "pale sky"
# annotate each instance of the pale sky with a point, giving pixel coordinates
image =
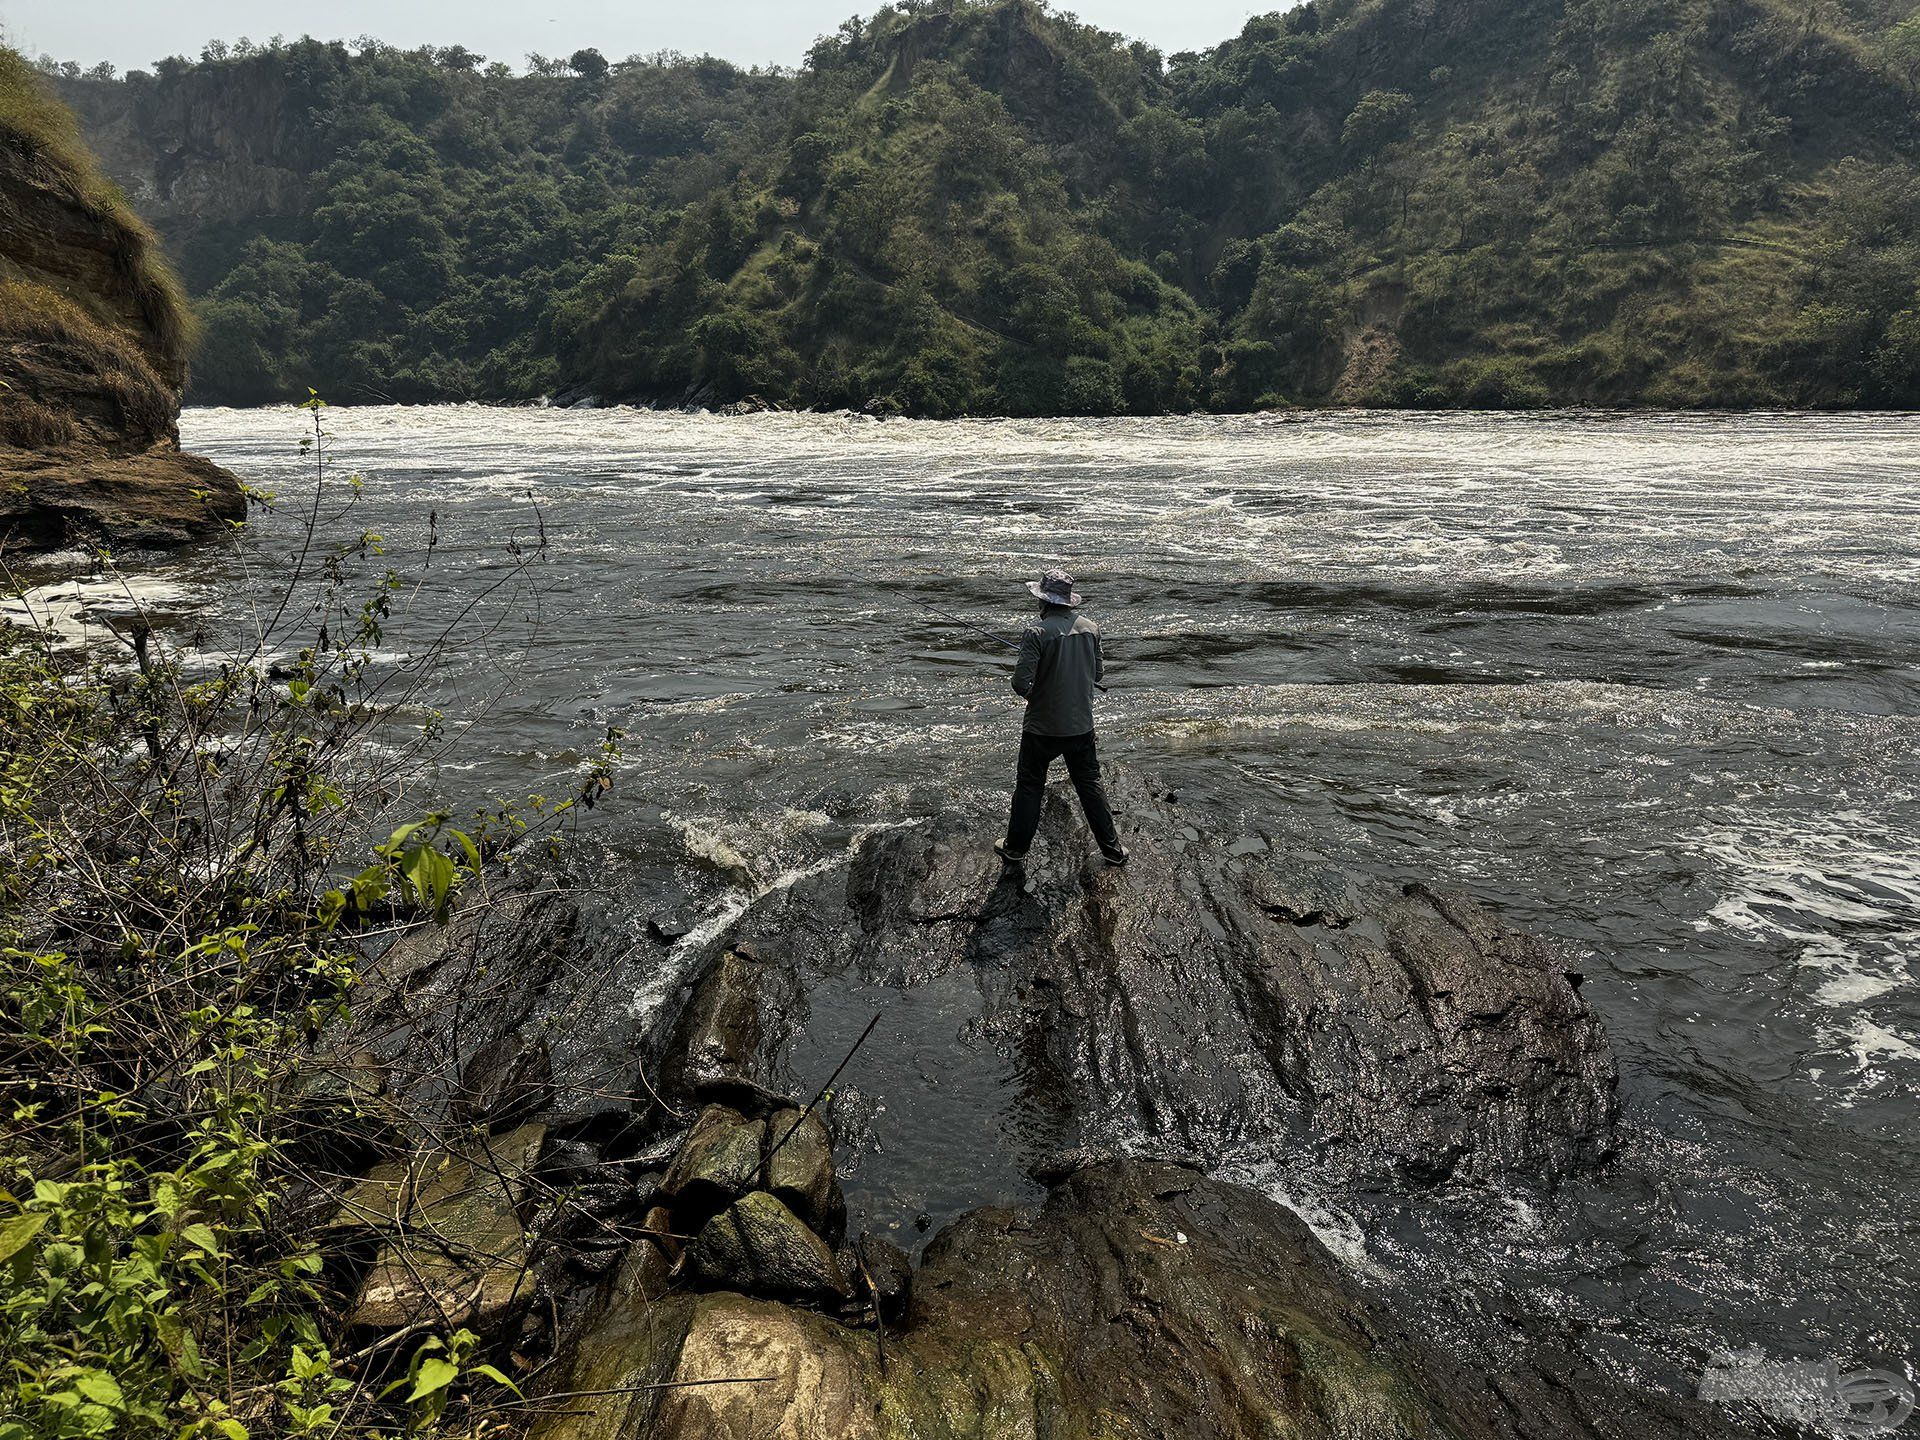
(134, 33)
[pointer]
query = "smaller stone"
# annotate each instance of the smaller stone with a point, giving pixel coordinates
(569, 1162)
(890, 1270)
(760, 1246)
(592, 1216)
(658, 1153)
(670, 925)
(657, 1226)
(505, 1083)
(593, 1264)
(719, 1161)
(800, 1165)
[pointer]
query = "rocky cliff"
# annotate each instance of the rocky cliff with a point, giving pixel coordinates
(94, 339)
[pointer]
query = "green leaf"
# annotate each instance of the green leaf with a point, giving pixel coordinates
(15, 1234)
(201, 1237)
(469, 849)
(435, 1374)
(492, 1373)
(179, 1344)
(398, 840)
(101, 1388)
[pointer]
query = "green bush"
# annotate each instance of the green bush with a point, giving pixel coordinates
(187, 863)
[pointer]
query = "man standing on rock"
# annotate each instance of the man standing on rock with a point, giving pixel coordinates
(1058, 668)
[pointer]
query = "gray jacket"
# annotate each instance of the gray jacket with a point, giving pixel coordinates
(1059, 662)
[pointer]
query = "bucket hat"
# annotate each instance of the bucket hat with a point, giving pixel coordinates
(1056, 588)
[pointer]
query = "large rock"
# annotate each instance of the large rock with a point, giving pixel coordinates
(719, 1160)
(1141, 1300)
(759, 1245)
(510, 1012)
(156, 496)
(717, 1047)
(455, 1250)
(800, 1164)
(1223, 997)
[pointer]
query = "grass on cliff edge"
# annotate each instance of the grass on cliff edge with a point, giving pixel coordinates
(43, 134)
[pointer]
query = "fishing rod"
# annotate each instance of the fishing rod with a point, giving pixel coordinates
(945, 614)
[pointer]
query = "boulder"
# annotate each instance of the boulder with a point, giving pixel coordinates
(719, 1161)
(800, 1165)
(759, 1245)
(506, 1081)
(1224, 996)
(501, 1016)
(455, 1250)
(716, 1052)
(1139, 1300)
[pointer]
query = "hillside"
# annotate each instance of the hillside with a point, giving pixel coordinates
(400, 225)
(989, 207)
(94, 338)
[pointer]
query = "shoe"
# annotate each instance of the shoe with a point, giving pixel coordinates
(1009, 857)
(1116, 857)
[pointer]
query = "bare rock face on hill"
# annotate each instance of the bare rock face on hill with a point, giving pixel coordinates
(94, 336)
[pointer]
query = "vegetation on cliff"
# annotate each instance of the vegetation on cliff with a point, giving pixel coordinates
(990, 207)
(95, 333)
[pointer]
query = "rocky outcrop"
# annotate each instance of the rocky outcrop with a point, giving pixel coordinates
(507, 1014)
(94, 335)
(1224, 997)
(1140, 1300)
(211, 145)
(1220, 999)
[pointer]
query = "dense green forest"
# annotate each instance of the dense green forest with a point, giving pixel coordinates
(991, 207)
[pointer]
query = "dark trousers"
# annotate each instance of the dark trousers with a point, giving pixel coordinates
(1037, 754)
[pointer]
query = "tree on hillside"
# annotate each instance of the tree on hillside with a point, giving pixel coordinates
(1902, 45)
(1378, 117)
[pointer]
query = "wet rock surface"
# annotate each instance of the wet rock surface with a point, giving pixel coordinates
(509, 1013)
(800, 1164)
(1141, 1299)
(720, 1159)
(758, 1244)
(1219, 998)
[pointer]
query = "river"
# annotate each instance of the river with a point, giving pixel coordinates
(1646, 684)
